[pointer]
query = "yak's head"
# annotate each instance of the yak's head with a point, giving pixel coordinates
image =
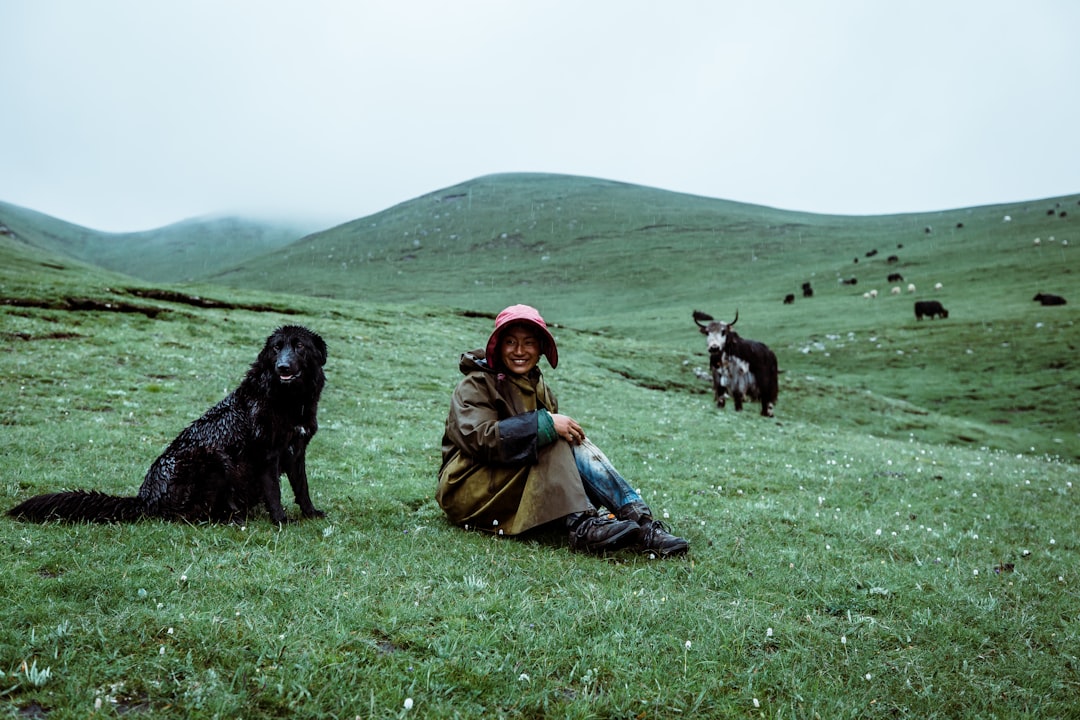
(716, 333)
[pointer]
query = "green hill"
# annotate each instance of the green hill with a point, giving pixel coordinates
(547, 239)
(630, 263)
(180, 252)
(898, 542)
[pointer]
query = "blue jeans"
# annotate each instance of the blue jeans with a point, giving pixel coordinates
(603, 483)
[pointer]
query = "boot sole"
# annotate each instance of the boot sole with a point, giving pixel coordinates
(680, 549)
(629, 536)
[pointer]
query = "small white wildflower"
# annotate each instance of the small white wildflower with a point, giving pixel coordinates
(1052, 541)
(688, 643)
(183, 578)
(523, 677)
(868, 676)
(976, 571)
(161, 650)
(408, 703)
(757, 703)
(878, 531)
(768, 632)
(494, 523)
(843, 639)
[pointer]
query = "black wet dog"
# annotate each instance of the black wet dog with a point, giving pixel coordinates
(232, 458)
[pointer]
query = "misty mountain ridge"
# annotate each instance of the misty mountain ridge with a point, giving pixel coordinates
(183, 251)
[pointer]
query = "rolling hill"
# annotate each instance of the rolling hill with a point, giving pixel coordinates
(545, 239)
(897, 542)
(181, 252)
(630, 263)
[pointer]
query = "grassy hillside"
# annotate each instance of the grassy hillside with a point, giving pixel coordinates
(834, 571)
(181, 252)
(547, 238)
(630, 262)
(889, 546)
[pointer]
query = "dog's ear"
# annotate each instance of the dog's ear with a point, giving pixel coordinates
(320, 348)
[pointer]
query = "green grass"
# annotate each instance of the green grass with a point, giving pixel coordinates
(890, 546)
(633, 262)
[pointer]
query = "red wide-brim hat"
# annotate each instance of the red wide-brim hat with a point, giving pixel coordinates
(523, 314)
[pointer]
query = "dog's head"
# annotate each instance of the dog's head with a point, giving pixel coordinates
(292, 352)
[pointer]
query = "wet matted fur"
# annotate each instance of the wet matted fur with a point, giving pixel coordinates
(232, 458)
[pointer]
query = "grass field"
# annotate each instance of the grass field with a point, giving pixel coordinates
(899, 542)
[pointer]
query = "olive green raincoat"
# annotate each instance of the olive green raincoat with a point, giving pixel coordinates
(503, 468)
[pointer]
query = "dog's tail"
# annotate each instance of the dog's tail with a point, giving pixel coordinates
(79, 506)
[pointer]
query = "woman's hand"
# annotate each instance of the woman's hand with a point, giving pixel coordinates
(567, 428)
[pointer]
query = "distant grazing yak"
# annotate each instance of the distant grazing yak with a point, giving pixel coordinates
(1048, 299)
(930, 309)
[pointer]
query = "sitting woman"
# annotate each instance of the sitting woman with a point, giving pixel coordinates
(511, 462)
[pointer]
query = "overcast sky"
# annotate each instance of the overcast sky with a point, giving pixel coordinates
(131, 114)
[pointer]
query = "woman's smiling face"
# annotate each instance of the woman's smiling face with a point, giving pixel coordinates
(519, 348)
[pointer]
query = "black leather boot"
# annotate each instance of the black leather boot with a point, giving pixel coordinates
(655, 536)
(598, 534)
